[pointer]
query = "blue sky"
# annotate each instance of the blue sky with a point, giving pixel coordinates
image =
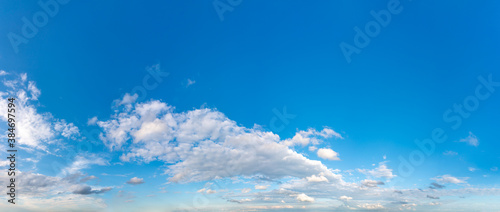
(253, 106)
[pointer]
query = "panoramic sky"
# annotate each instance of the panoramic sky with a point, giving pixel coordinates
(237, 105)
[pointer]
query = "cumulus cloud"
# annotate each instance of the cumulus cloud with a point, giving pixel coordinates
(471, 140)
(382, 171)
(203, 144)
(328, 154)
(319, 178)
(135, 181)
(449, 179)
(345, 198)
(304, 198)
(311, 136)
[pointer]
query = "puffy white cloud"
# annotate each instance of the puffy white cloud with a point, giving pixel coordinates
(345, 198)
(382, 171)
(304, 138)
(135, 181)
(203, 144)
(450, 179)
(319, 178)
(471, 140)
(328, 154)
(304, 198)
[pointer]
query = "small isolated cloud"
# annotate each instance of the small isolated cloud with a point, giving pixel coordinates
(86, 190)
(317, 179)
(3, 73)
(471, 140)
(382, 171)
(450, 153)
(92, 121)
(345, 198)
(328, 154)
(135, 181)
(450, 179)
(190, 82)
(304, 198)
(436, 186)
(260, 187)
(472, 169)
(127, 99)
(371, 183)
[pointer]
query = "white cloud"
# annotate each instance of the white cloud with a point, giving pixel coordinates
(4, 163)
(84, 161)
(260, 187)
(450, 179)
(246, 190)
(135, 181)
(345, 198)
(328, 154)
(203, 144)
(312, 148)
(54, 193)
(382, 171)
(190, 82)
(92, 121)
(34, 130)
(471, 140)
(304, 138)
(304, 198)
(127, 99)
(3, 73)
(315, 178)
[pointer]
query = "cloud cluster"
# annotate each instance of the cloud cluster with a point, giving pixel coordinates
(34, 130)
(203, 144)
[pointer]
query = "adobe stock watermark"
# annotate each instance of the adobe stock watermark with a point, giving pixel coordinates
(48, 9)
(280, 120)
(362, 38)
(453, 116)
(222, 6)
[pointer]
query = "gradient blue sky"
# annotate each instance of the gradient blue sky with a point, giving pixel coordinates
(261, 58)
